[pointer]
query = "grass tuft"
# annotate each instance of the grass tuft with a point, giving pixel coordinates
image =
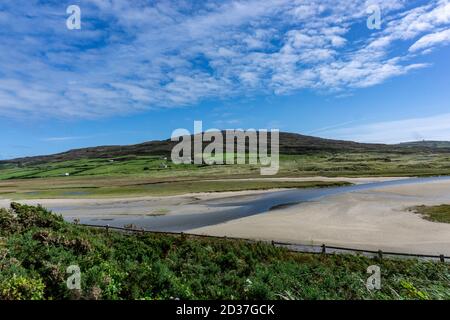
(439, 213)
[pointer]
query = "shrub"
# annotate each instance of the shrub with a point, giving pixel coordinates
(21, 288)
(8, 222)
(39, 246)
(29, 216)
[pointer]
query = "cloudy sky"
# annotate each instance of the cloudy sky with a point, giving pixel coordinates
(138, 69)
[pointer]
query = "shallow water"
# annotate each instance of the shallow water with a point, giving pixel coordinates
(241, 207)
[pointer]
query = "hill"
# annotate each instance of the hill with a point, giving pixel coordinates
(290, 144)
(427, 144)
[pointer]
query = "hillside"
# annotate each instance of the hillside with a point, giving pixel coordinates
(427, 144)
(290, 144)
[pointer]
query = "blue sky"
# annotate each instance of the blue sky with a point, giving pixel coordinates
(139, 69)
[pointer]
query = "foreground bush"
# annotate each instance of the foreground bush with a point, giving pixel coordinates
(36, 247)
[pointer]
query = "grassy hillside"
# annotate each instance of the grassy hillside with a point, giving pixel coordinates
(428, 144)
(36, 247)
(146, 169)
(289, 143)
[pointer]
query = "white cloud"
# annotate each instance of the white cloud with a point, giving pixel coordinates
(431, 40)
(428, 128)
(132, 56)
(57, 139)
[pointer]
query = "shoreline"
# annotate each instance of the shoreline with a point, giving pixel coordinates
(370, 219)
(200, 195)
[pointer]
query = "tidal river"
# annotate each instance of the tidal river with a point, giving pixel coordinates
(219, 210)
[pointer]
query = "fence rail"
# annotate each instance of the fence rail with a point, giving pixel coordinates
(295, 247)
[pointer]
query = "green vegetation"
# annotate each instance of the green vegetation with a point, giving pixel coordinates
(434, 213)
(366, 164)
(36, 248)
(89, 167)
(321, 163)
(103, 188)
(156, 175)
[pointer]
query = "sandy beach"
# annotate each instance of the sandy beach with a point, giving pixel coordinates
(371, 219)
(150, 205)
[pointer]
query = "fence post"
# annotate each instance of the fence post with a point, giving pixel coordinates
(273, 243)
(380, 254)
(107, 228)
(324, 248)
(442, 258)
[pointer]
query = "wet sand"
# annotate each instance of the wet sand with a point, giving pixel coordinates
(188, 203)
(370, 219)
(151, 205)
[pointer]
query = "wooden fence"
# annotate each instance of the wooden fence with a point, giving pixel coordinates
(295, 247)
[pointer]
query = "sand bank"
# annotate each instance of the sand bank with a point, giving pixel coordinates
(371, 219)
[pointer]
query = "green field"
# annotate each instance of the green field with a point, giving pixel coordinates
(156, 175)
(325, 164)
(36, 247)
